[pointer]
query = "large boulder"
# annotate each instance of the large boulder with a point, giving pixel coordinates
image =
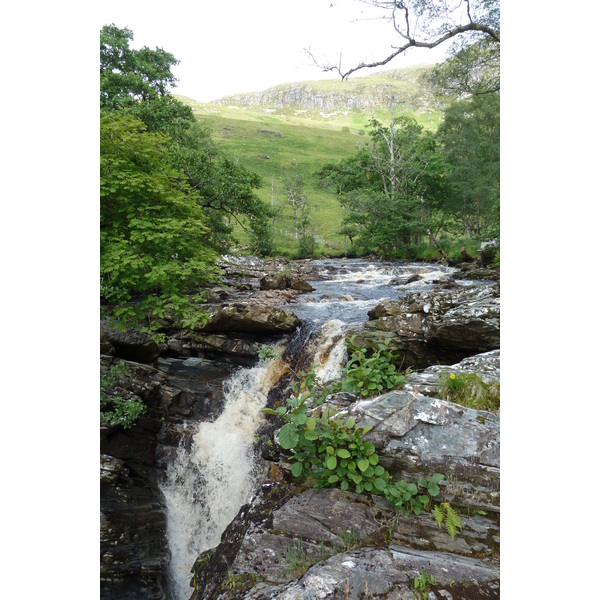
(283, 281)
(128, 345)
(441, 326)
(251, 318)
(419, 435)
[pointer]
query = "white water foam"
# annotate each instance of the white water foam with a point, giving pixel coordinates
(206, 485)
(331, 351)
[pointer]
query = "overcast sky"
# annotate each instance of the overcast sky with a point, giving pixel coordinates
(238, 46)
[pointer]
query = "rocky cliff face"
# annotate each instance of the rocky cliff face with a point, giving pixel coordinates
(405, 87)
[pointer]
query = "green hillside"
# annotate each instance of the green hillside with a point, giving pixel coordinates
(305, 125)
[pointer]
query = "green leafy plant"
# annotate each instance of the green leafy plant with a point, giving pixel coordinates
(114, 409)
(444, 513)
(370, 375)
(328, 446)
(468, 389)
(235, 581)
(422, 585)
(413, 497)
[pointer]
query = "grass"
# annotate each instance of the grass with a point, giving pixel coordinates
(270, 139)
(468, 389)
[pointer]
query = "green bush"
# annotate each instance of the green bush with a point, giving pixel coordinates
(370, 375)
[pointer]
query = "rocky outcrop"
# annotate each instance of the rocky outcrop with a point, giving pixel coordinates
(128, 345)
(251, 318)
(331, 544)
(133, 549)
(427, 382)
(293, 542)
(441, 326)
(282, 281)
(363, 93)
(326, 543)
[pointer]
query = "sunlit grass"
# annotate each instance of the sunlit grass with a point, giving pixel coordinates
(271, 140)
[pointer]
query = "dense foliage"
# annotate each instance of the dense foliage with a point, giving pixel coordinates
(408, 182)
(151, 228)
(391, 187)
(169, 197)
(470, 139)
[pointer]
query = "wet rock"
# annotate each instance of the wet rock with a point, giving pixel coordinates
(282, 281)
(128, 345)
(133, 546)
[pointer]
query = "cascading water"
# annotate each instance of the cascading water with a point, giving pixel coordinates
(210, 479)
(205, 485)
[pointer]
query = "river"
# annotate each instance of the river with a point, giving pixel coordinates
(215, 471)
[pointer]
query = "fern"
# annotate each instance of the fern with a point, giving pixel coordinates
(439, 515)
(446, 514)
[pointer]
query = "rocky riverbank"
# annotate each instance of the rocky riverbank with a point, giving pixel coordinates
(346, 545)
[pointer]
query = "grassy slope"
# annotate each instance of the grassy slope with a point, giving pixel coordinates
(269, 141)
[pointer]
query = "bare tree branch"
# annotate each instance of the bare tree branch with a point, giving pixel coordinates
(435, 19)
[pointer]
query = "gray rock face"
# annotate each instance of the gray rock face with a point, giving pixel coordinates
(333, 544)
(416, 434)
(444, 326)
(327, 543)
(251, 318)
(389, 573)
(486, 365)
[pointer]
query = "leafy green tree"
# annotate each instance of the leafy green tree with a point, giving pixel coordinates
(470, 70)
(127, 75)
(470, 140)
(391, 187)
(152, 230)
(139, 82)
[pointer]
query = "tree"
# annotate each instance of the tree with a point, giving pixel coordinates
(138, 82)
(470, 140)
(128, 75)
(391, 187)
(294, 186)
(471, 70)
(152, 230)
(429, 23)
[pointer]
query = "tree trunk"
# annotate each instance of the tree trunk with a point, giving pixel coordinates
(445, 257)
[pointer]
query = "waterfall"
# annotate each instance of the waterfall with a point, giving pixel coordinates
(205, 485)
(210, 479)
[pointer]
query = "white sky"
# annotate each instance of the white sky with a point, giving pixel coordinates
(236, 46)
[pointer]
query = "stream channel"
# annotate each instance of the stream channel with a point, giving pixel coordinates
(215, 471)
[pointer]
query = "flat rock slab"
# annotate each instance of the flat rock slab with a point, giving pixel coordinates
(388, 574)
(420, 435)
